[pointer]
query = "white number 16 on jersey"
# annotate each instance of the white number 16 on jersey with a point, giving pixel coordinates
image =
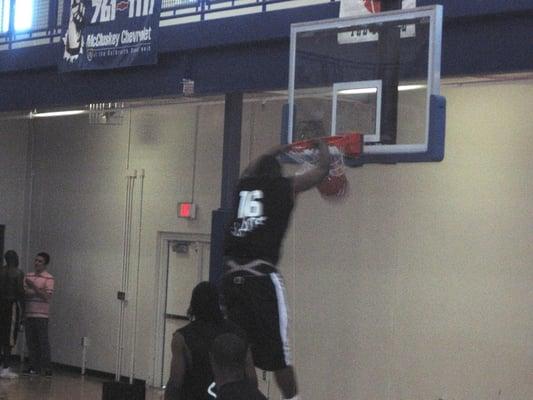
(249, 204)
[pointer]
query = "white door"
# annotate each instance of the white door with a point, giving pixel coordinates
(187, 264)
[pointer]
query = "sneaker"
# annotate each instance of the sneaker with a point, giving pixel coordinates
(6, 373)
(30, 371)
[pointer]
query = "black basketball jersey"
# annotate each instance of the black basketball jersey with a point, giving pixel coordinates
(261, 212)
(11, 284)
(199, 336)
(242, 390)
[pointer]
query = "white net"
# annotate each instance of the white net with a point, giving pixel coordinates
(308, 157)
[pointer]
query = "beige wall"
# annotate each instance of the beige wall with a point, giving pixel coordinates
(415, 285)
(77, 217)
(78, 210)
(13, 161)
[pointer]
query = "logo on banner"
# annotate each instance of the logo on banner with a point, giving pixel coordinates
(110, 33)
(73, 39)
(123, 5)
(358, 8)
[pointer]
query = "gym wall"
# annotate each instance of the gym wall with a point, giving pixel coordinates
(415, 285)
(77, 215)
(13, 161)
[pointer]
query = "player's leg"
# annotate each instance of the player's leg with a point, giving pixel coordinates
(4, 333)
(44, 346)
(7, 338)
(258, 305)
(285, 376)
(272, 352)
(32, 343)
(286, 381)
(3, 357)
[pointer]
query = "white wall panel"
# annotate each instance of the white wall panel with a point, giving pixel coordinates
(417, 284)
(208, 163)
(163, 143)
(77, 217)
(78, 210)
(465, 254)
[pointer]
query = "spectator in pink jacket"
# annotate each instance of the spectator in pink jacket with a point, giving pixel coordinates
(39, 287)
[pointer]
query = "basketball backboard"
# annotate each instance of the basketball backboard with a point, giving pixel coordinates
(378, 75)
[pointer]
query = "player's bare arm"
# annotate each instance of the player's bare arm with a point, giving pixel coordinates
(249, 371)
(177, 368)
(315, 175)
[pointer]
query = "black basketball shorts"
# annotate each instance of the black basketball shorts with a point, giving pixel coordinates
(254, 298)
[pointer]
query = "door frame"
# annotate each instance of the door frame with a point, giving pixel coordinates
(164, 239)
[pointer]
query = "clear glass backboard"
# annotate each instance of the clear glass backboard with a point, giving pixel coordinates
(378, 75)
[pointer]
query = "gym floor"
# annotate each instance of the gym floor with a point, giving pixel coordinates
(63, 385)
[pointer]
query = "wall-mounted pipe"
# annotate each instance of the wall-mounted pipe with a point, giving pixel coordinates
(136, 307)
(130, 186)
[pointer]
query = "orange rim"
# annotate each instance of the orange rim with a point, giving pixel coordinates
(350, 144)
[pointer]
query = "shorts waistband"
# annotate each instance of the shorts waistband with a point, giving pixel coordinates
(255, 267)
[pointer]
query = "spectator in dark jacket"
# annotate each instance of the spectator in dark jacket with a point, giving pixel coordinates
(11, 303)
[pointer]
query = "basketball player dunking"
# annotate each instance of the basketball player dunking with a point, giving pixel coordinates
(252, 287)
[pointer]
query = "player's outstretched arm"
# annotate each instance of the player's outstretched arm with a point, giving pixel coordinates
(315, 175)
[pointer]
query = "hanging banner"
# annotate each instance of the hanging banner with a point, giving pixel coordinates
(104, 34)
(361, 8)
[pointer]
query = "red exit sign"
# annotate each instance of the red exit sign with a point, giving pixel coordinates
(187, 210)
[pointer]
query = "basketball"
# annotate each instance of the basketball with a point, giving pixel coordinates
(333, 186)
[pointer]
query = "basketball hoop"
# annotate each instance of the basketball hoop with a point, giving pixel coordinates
(340, 146)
